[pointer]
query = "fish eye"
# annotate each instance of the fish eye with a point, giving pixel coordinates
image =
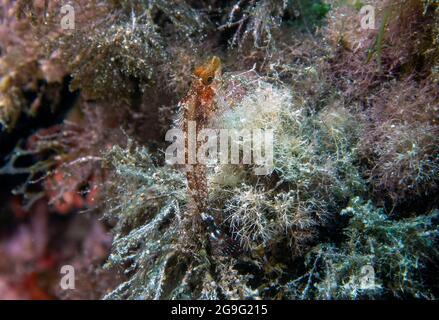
(209, 80)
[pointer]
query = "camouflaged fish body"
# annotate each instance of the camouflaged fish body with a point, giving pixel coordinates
(200, 106)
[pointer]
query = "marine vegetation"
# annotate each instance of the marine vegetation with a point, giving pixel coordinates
(309, 136)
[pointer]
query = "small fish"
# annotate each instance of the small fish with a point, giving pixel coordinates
(200, 106)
